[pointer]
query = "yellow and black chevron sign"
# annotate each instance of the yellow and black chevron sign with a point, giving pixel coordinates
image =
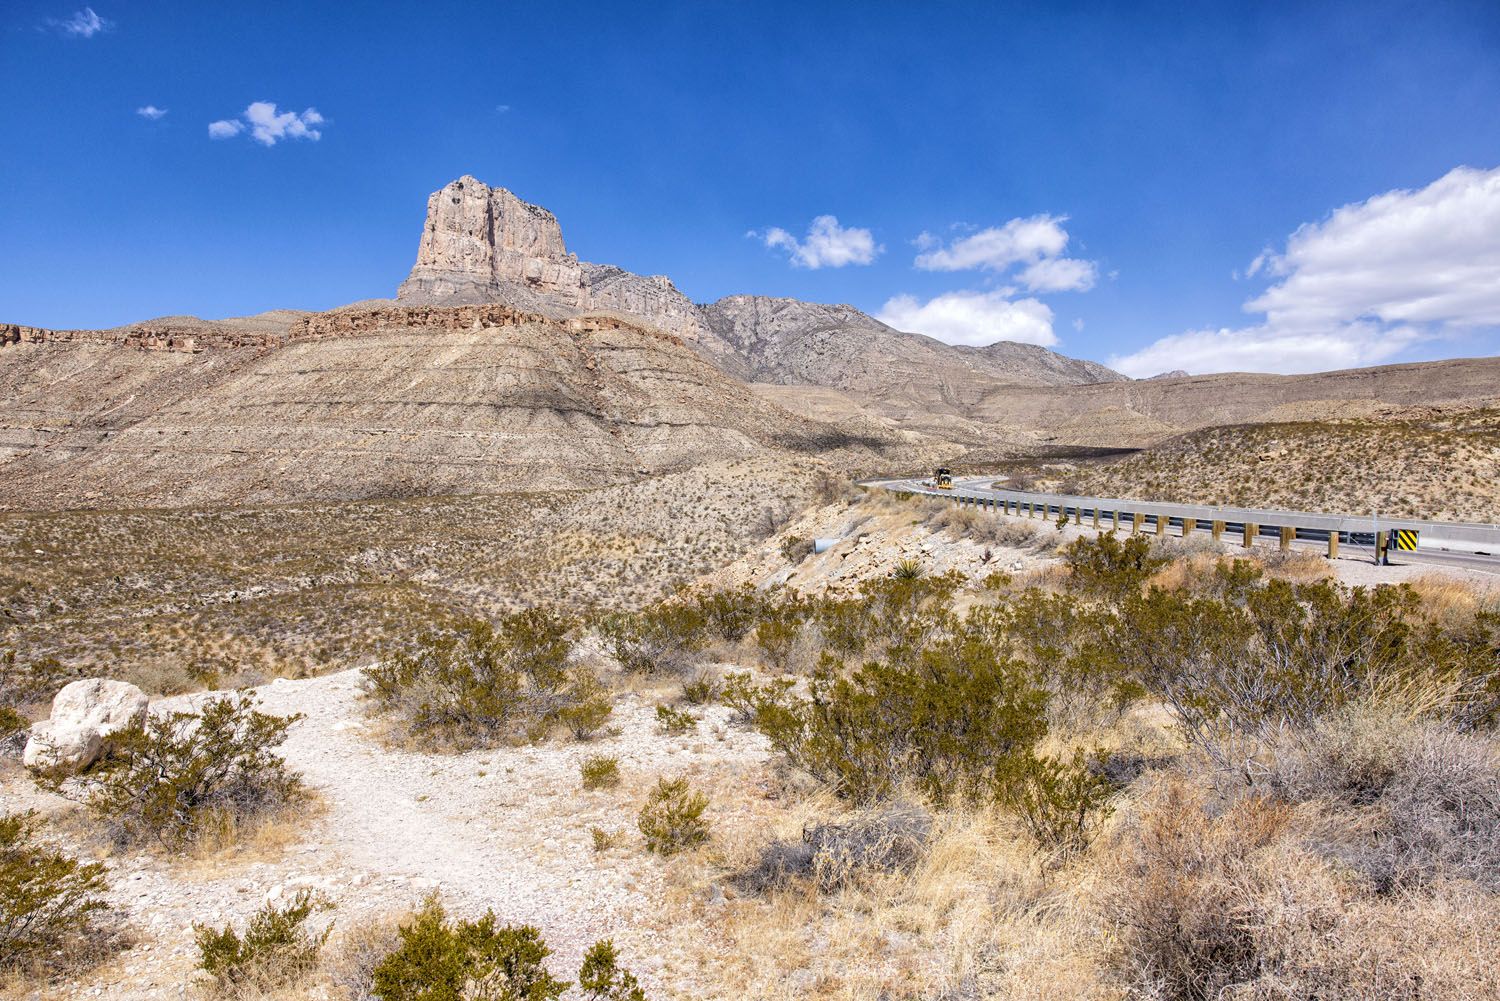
(1404, 539)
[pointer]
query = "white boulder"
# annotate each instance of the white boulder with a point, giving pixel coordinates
(87, 717)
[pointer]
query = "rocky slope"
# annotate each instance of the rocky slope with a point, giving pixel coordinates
(481, 244)
(378, 402)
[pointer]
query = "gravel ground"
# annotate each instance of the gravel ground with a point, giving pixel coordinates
(505, 829)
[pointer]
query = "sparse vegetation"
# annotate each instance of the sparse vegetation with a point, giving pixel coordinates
(481, 685)
(276, 949)
(675, 722)
(672, 818)
(188, 775)
(48, 900)
(600, 772)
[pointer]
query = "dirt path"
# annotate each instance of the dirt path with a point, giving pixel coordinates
(506, 829)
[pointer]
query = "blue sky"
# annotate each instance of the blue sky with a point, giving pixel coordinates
(1116, 180)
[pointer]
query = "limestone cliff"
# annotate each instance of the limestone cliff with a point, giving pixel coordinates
(482, 244)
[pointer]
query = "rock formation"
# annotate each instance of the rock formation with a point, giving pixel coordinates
(482, 244)
(88, 718)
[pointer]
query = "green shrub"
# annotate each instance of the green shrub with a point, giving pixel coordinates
(1105, 566)
(795, 549)
(601, 979)
(957, 717)
(672, 817)
(46, 898)
(603, 840)
(658, 640)
(13, 727)
(276, 950)
(480, 685)
(600, 772)
(675, 722)
(186, 773)
(776, 634)
(702, 688)
(730, 614)
(439, 960)
(1063, 802)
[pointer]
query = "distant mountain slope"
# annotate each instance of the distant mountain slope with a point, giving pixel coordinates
(378, 402)
(790, 342)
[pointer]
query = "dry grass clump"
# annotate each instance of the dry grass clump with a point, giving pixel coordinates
(889, 838)
(1208, 900)
(986, 527)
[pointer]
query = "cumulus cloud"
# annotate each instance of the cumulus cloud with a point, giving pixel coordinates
(1359, 287)
(268, 126)
(827, 245)
(83, 24)
(1035, 243)
(152, 112)
(968, 317)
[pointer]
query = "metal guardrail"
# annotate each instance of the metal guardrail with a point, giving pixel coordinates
(1458, 537)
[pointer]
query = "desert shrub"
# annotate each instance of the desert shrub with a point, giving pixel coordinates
(891, 837)
(350, 959)
(185, 774)
(675, 722)
(795, 549)
(479, 685)
(589, 704)
(957, 717)
(600, 772)
(439, 960)
(1105, 566)
(601, 979)
(672, 818)
(603, 840)
(1063, 802)
(275, 950)
(1182, 896)
(13, 727)
(702, 688)
(47, 898)
(776, 633)
(886, 838)
(27, 684)
(730, 614)
(1412, 801)
(844, 624)
(1013, 534)
(747, 700)
(658, 640)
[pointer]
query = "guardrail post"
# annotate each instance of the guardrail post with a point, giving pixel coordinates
(1382, 540)
(1136, 521)
(1161, 524)
(1333, 545)
(1251, 531)
(1096, 517)
(1288, 533)
(1218, 530)
(1078, 516)
(1189, 526)
(1116, 515)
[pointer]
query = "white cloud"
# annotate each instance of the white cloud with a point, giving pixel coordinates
(828, 245)
(1059, 274)
(972, 318)
(502, 108)
(1036, 243)
(152, 112)
(1364, 284)
(83, 24)
(268, 126)
(998, 247)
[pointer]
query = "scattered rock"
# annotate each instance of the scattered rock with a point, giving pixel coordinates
(87, 718)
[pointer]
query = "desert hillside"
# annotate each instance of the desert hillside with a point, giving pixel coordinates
(1439, 463)
(378, 402)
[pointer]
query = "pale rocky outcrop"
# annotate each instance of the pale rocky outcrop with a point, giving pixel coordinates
(483, 245)
(88, 716)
